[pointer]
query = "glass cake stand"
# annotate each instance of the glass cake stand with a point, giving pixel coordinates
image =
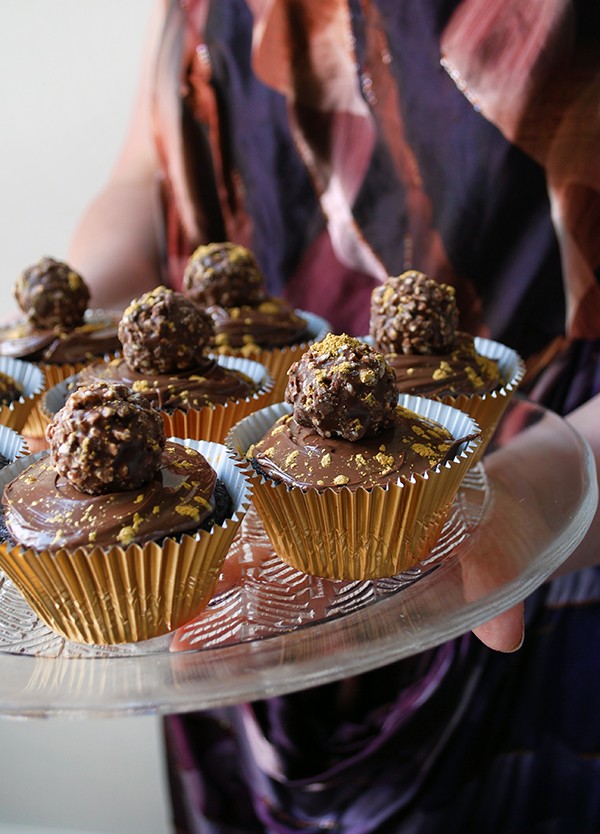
(271, 630)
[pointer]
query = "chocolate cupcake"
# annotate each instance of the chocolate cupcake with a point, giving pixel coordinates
(225, 279)
(128, 530)
(351, 480)
(414, 323)
(166, 342)
(57, 331)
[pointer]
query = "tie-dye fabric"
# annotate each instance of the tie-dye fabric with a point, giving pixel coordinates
(344, 140)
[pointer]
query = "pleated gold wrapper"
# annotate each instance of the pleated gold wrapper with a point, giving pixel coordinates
(115, 595)
(209, 423)
(363, 533)
(31, 379)
(487, 409)
(279, 360)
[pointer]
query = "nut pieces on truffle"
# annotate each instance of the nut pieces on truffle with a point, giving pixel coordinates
(52, 295)
(164, 332)
(342, 386)
(414, 314)
(106, 438)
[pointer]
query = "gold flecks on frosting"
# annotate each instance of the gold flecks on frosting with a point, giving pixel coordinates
(443, 371)
(128, 533)
(187, 510)
(292, 458)
(326, 460)
(341, 480)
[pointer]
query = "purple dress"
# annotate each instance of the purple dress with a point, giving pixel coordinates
(345, 140)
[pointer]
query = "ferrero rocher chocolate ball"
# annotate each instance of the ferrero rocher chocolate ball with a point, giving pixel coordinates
(413, 314)
(106, 438)
(342, 386)
(164, 332)
(51, 294)
(225, 275)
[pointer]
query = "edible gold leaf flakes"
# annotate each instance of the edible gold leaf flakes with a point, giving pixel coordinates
(57, 536)
(475, 380)
(221, 339)
(92, 536)
(155, 509)
(326, 460)
(140, 385)
(291, 459)
(385, 461)
(278, 429)
(138, 498)
(268, 453)
(443, 371)
(268, 307)
(187, 510)
(128, 533)
(425, 451)
(360, 461)
(409, 371)
(340, 480)
(201, 500)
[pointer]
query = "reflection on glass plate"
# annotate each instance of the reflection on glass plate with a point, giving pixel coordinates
(271, 630)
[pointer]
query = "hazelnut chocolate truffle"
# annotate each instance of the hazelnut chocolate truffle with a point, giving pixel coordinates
(106, 438)
(343, 387)
(223, 274)
(163, 332)
(52, 294)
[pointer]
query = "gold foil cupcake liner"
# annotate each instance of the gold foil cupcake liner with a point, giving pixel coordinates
(123, 595)
(357, 534)
(31, 380)
(209, 423)
(279, 360)
(487, 409)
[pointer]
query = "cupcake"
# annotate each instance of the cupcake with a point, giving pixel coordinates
(57, 331)
(118, 534)
(166, 340)
(414, 323)
(224, 279)
(351, 480)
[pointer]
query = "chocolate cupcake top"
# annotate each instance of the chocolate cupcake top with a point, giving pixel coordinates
(225, 278)
(346, 428)
(57, 326)
(414, 322)
(111, 478)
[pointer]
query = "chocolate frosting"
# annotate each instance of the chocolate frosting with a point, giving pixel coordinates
(298, 456)
(96, 337)
(271, 324)
(463, 371)
(44, 511)
(206, 384)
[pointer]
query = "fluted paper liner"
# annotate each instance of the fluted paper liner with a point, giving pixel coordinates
(12, 444)
(209, 423)
(116, 595)
(31, 380)
(279, 360)
(487, 409)
(357, 534)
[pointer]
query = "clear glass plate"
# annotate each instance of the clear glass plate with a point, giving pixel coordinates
(270, 629)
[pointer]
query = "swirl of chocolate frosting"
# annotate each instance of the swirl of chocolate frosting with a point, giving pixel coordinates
(298, 456)
(46, 512)
(206, 384)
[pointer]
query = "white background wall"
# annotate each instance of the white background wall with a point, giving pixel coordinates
(68, 70)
